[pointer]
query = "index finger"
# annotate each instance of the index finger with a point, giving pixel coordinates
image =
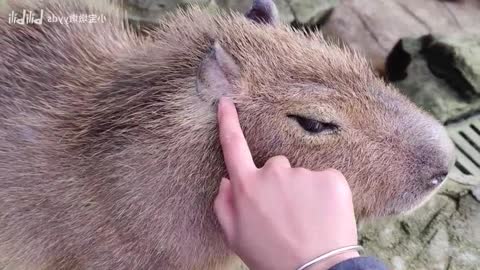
(236, 153)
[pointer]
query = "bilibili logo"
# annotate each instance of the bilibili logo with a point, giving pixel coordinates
(25, 17)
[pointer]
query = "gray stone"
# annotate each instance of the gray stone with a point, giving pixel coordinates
(442, 234)
(312, 12)
(284, 10)
(151, 11)
(476, 193)
(305, 12)
(373, 27)
(239, 5)
(440, 74)
(242, 6)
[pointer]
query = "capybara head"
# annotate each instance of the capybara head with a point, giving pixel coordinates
(321, 106)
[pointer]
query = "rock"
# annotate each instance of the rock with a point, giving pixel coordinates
(442, 234)
(285, 12)
(476, 193)
(150, 11)
(242, 6)
(440, 74)
(302, 12)
(238, 5)
(374, 27)
(312, 12)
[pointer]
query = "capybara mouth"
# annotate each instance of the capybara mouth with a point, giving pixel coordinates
(412, 200)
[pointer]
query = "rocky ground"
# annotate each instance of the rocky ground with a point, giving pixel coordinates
(431, 50)
(442, 234)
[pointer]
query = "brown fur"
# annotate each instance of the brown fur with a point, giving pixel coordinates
(109, 158)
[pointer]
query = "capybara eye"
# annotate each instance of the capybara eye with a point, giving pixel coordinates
(314, 126)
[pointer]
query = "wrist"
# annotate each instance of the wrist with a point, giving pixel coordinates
(334, 260)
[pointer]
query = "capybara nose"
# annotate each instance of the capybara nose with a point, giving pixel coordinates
(441, 152)
(448, 149)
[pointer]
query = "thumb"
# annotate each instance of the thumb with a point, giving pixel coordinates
(223, 207)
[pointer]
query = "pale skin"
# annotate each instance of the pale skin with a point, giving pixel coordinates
(279, 217)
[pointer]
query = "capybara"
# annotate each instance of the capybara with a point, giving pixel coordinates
(109, 152)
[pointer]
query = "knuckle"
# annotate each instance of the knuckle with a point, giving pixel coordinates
(343, 189)
(333, 174)
(243, 186)
(218, 208)
(246, 186)
(217, 204)
(280, 158)
(337, 183)
(232, 138)
(276, 161)
(302, 171)
(245, 194)
(273, 171)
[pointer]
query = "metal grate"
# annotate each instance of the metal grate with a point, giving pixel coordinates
(466, 136)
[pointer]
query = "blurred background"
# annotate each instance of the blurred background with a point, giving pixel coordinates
(430, 49)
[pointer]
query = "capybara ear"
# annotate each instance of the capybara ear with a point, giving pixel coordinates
(263, 11)
(217, 75)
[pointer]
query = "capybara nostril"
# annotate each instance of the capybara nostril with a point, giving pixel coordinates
(437, 180)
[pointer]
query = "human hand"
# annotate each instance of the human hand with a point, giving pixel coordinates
(279, 217)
